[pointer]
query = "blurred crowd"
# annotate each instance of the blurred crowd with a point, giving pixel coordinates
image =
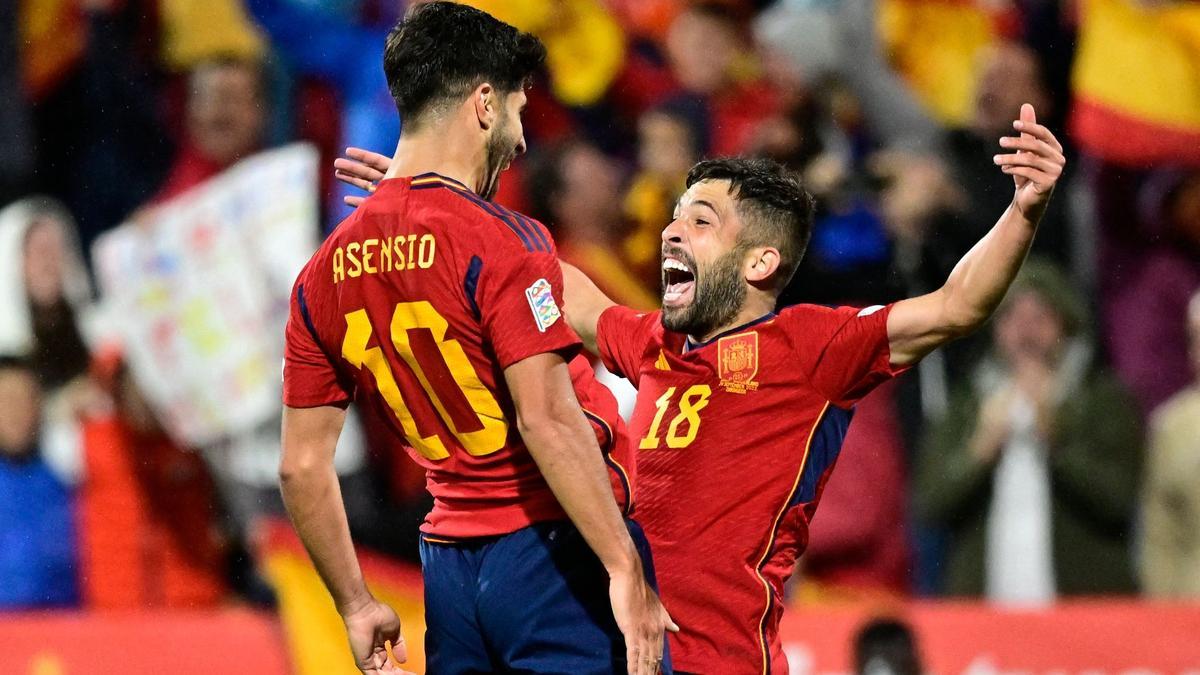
(1056, 453)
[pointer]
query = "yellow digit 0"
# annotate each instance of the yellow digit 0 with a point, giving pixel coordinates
(354, 350)
(421, 314)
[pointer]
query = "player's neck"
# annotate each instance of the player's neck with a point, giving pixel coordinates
(433, 151)
(755, 307)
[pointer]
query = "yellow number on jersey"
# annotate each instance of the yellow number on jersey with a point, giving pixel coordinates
(409, 315)
(691, 403)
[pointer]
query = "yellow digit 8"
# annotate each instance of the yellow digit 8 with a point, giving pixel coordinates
(691, 403)
(354, 350)
(421, 314)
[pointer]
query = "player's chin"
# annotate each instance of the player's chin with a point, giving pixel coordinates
(679, 296)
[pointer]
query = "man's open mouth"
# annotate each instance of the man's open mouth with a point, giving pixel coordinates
(679, 282)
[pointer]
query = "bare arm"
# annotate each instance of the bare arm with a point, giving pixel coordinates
(314, 502)
(564, 447)
(979, 281)
(583, 303)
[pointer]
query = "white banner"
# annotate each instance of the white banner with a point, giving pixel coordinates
(197, 288)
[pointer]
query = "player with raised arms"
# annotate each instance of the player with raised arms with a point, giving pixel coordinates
(742, 406)
(438, 312)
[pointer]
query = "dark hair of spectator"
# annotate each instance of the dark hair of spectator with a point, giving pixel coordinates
(775, 207)
(544, 179)
(444, 50)
(229, 60)
(886, 646)
(8, 362)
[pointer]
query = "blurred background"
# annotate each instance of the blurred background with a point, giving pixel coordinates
(1026, 500)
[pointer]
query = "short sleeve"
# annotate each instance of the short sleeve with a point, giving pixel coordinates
(621, 338)
(520, 296)
(844, 350)
(309, 377)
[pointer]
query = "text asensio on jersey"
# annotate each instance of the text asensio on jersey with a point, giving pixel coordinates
(390, 254)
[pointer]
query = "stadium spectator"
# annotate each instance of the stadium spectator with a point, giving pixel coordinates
(225, 119)
(1170, 535)
(92, 76)
(886, 647)
(37, 535)
(572, 188)
(671, 138)
(841, 40)
(1149, 267)
(1035, 467)
(148, 518)
(44, 290)
(712, 59)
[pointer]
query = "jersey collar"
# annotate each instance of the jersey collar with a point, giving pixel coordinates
(437, 180)
(690, 346)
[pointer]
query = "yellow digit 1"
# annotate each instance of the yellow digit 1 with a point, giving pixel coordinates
(354, 350)
(691, 403)
(421, 314)
(650, 442)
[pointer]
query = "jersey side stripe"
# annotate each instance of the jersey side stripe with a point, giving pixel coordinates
(471, 283)
(762, 622)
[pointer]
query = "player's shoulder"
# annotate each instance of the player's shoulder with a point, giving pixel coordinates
(804, 312)
(493, 226)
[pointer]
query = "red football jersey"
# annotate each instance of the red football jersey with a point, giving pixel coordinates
(736, 438)
(415, 305)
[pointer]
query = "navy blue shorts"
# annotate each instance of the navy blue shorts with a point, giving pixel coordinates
(534, 601)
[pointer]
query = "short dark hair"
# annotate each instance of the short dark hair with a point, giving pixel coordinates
(443, 50)
(13, 362)
(890, 641)
(772, 202)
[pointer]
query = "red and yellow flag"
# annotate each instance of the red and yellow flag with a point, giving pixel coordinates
(1137, 82)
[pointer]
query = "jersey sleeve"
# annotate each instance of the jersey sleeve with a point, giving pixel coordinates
(621, 338)
(310, 378)
(520, 295)
(844, 350)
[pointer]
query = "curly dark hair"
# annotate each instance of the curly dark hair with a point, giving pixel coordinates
(443, 50)
(773, 203)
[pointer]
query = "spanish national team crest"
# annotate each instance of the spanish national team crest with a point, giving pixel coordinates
(737, 362)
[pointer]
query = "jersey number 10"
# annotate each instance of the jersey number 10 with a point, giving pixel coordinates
(481, 432)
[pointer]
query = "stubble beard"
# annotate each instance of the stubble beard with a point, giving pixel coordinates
(718, 297)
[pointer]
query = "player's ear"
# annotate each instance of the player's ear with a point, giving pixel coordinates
(486, 103)
(761, 263)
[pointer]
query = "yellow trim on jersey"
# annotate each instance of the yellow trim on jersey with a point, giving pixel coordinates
(762, 632)
(434, 540)
(431, 180)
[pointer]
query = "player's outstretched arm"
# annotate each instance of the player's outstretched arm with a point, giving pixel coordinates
(583, 303)
(314, 501)
(564, 447)
(978, 283)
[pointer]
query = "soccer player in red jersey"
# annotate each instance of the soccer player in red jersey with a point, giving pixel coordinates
(742, 406)
(441, 310)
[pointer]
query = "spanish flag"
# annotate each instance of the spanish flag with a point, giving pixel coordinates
(1137, 82)
(313, 629)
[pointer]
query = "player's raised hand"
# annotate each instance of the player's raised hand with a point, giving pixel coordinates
(370, 629)
(642, 620)
(1035, 163)
(362, 169)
